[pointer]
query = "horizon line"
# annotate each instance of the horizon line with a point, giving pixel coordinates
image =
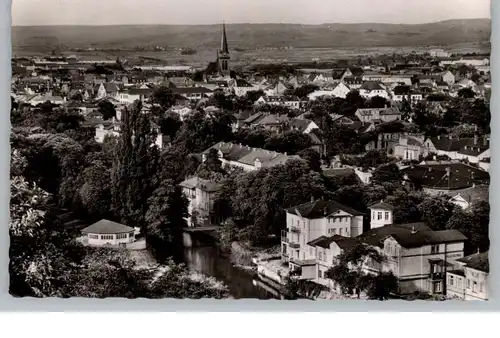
(250, 23)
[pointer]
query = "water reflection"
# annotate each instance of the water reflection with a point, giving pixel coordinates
(210, 261)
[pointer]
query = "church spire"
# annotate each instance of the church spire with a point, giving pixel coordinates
(223, 44)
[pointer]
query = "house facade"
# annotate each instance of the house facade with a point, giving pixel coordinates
(201, 196)
(108, 233)
(310, 221)
(469, 281)
(248, 158)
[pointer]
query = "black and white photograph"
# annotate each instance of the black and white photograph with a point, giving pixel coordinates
(228, 149)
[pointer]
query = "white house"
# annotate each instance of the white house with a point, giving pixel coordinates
(341, 90)
(439, 52)
(108, 233)
(470, 280)
(248, 158)
(242, 87)
(310, 221)
(372, 89)
(381, 214)
(201, 196)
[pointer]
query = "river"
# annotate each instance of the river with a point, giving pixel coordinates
(242, 283)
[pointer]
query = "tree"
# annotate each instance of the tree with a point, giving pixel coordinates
(312, 157)
(40, 253)
(466, 93)
(202, 130)
(436, 211)
(406, 204)
(107, 109)
(258, 199)
(165, 217)
(135, 167)
(377, 102)
(347, 273)
(164, 97)
(170, 125)
(372, 158)
(387, 175)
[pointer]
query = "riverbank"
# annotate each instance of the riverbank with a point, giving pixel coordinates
(244, 256)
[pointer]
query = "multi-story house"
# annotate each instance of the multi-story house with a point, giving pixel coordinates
(193, 93)
(378, 115)
(201, 196)
(472, 149)
(248, 158)
(242, 87)
(371, 89)
(450, 178)
(417, 256)
(470, 280)
(310, 221)
(410, 148)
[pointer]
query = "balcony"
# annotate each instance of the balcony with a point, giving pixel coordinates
(294, 245)
(436, 276)
(294, 229)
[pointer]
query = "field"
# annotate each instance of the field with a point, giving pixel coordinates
(251, 43)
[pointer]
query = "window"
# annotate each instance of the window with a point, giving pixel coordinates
(320, 255)
(434, 249)
(379, 214)
(481, 286)
(320, 275)
(474, 286)
(347, 232)
(340, 231)
(386, 215)
(450, 281)
(373, 215)
(438, 287)
(107, 237)
(468, 283)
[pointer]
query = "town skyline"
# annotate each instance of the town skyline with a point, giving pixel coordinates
(313, 12)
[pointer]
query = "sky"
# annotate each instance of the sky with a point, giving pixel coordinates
(199, 12)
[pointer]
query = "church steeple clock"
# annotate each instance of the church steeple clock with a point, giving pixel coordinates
(223, 54)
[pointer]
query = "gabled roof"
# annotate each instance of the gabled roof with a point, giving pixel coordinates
(420, 238)
(371, 86)
(190, 90)
(200, 183)
(402, 90)
(343, 242)
(105, 226)
(377, 236)
(478, 261)
(450, 176)
(381, 205)
(248, 155)
(321, 209)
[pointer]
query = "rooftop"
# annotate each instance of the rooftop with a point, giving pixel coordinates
(478, 261)
(105, 226)
(320, 209)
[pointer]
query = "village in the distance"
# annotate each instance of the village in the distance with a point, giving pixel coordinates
(358, 178)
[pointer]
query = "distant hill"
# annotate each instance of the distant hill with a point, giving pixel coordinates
(251, 36)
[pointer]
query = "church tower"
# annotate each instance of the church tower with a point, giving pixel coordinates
(223, 54)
